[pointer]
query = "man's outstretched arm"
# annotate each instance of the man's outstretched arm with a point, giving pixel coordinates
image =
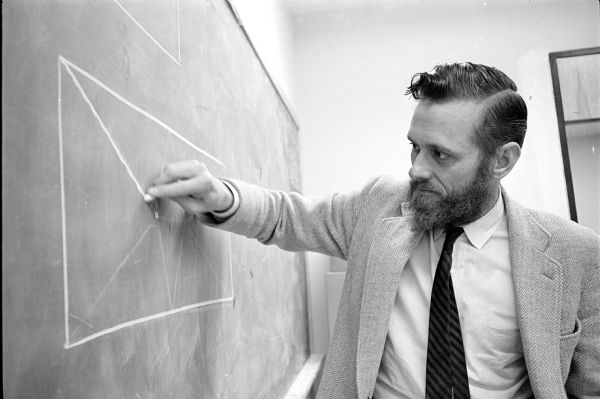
(288, 220)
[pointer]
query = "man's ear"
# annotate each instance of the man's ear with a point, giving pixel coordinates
(506, 157)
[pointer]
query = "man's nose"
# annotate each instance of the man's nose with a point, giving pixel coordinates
(420, 169)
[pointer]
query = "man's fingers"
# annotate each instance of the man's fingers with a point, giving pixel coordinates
(180, 171)
(196, 187)
(191, 205)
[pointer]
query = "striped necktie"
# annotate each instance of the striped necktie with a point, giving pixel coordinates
(446, 367)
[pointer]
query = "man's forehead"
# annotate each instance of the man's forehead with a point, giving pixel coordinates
(451, 124)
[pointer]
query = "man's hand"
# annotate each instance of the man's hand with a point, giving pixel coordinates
(191, 185)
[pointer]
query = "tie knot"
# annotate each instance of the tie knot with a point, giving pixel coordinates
(452, 234)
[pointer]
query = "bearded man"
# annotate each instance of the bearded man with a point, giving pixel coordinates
(452, 288)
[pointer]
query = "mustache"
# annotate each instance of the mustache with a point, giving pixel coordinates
(422, 185)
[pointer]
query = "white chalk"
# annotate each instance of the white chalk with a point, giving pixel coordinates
(148, 198)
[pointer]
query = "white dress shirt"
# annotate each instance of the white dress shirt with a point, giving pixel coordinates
(483, 287)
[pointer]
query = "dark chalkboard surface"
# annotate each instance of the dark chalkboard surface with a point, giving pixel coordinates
(104, 295)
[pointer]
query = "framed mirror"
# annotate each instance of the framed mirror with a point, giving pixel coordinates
(576, 83)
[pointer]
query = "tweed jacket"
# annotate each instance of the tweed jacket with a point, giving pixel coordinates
(555, 268)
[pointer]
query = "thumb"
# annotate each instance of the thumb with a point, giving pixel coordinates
(192, 205)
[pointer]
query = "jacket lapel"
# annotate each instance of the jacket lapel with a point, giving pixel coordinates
(392, 245)
(536, 279)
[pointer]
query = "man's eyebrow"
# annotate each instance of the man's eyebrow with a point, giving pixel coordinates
(437, 147)
(445, 149)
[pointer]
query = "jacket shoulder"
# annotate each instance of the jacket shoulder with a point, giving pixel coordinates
(558, 226)
(565, 237)
(386, 194)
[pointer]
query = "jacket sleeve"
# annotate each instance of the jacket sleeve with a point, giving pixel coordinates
(584, 375)
(294, 222)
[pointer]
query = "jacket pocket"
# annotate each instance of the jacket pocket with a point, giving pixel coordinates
(568, 343)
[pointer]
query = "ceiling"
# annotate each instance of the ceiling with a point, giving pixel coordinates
(310, 6)
(300, 7)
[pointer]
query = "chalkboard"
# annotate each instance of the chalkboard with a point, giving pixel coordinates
(103, 294)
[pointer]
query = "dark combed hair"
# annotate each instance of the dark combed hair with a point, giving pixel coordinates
(504, 113)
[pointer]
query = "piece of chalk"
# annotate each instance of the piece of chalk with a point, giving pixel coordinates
(148, 198)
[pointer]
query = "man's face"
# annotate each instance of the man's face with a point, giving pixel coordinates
(451, 185)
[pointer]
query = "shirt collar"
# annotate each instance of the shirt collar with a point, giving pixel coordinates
(482, 229)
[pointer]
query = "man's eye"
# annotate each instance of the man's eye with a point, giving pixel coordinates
(415, 147)
(440, 155)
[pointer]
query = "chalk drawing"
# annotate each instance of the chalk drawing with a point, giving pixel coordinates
(118, 268)
(176, 59)
(70, 69)
(81, 320)
(68, 64)
(110, 138)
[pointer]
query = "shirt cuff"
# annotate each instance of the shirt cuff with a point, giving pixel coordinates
(233, 208)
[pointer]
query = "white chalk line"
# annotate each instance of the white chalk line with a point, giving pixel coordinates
(81, 320)
(164, 264)
(177, 274)
(105, 130)
(162, 247)
(176, 60)
(63, 202)
(147, 318)
(139, 110)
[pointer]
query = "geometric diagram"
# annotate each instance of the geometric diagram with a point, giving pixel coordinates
(125, 261)
(145, 15)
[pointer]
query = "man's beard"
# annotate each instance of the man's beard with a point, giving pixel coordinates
(457, 208)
